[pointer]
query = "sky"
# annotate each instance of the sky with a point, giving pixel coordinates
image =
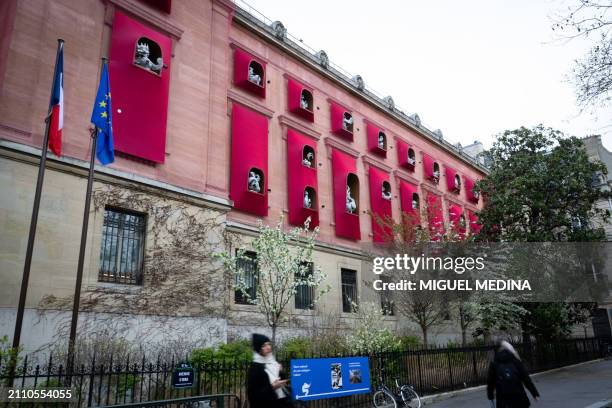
(471, 68)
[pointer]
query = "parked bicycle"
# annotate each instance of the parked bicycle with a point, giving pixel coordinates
(402, 396)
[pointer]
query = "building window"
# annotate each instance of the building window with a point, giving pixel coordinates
(247, 277)
(308, 156)
(349, 289)
(304, 296)
(122, 253)
(352, 194)
(148, 55)
(386, 301)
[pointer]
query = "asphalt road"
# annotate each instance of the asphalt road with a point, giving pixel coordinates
(587, 385)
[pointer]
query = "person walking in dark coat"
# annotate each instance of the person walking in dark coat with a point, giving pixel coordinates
(506, 378)
(265, 388)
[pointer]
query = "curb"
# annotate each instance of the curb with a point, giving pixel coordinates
(601, 404)
(430, 399)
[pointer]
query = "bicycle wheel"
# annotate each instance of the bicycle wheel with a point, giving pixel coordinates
(410, 397)
(383, 399)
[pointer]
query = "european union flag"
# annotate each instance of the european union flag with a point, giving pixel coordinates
(102, 118)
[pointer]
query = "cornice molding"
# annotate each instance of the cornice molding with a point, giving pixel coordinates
(235, 97)
(288, 122)
(341, 104)
(31, 155)
(403, 175)
(300, 80)
(139, 10)
(237, 44)
(431, 189)
(332, 143)
(370, 161)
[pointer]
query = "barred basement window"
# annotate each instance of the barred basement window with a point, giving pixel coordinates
(304, 298)
(349, 289)
(247, 265)
(122, 253)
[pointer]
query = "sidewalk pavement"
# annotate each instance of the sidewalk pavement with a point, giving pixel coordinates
(583, 386)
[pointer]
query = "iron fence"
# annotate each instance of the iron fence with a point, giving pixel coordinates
(430, 371)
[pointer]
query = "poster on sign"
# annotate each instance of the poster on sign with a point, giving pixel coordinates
(319, 378)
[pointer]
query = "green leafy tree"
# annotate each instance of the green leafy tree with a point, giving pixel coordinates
(283, 259)
(541, 188)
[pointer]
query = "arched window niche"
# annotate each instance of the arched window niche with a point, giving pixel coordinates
(310, 198)
(457, 183)
(306, 100)
(256, 73)
(415, 201)
(308, 157)
(386, 190)
(436, 172)
(352, 194)
(382, 141)
(411, 157)
(256, 181)
(148, 56)
(347, 122)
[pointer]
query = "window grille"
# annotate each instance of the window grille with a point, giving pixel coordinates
(304, 297)
(349, 289)
(122, 253)
(249, 272)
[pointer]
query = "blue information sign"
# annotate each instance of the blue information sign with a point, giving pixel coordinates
(318, 378)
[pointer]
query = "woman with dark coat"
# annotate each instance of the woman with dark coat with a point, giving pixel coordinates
(265, 388)
(506, 378)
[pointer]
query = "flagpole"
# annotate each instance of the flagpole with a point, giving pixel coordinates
(33, 221)
(79, 279)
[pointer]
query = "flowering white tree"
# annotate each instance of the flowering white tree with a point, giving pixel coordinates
(284, 260)
(369, 335)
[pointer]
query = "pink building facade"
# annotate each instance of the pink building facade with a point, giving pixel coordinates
(227, 110)
(202, 125)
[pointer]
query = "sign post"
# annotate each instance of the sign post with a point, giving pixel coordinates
(319, 378)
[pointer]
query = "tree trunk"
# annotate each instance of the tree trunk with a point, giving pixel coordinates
(463, 327)
(487, 336)
(274, 335)
(425, 341)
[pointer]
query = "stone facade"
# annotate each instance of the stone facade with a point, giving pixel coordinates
(185, 199)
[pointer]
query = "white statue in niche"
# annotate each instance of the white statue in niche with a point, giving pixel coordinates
(254, 180)
(411, 160)
(347, 121)
(351, 205)
(253, 77)
(436, 174)
(415, 203)
(304, 103)
(142, 59)
(386, 193)
(307, 200)
(308, 160)
(462, 221)
(381, 141)
(457, 182)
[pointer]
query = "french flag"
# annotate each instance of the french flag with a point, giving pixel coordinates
(56, 106)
